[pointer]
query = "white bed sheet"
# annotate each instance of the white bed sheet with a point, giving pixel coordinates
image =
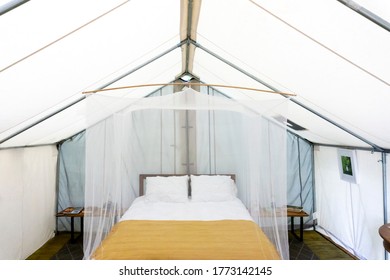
(142, 209)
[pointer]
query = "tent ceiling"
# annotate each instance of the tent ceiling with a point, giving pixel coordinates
(337, 67)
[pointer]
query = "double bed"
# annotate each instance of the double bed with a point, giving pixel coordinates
(186, 217)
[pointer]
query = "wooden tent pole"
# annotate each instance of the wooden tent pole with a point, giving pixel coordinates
(187, 84)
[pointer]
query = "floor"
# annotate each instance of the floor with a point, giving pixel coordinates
(314, 247)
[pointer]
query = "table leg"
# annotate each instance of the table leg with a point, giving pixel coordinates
(82, 226)
(292, 226)
(71, 229)
(301, 229)
(300, 237)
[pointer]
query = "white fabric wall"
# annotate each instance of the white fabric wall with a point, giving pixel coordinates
(71, 179)
(27, 200)
(350, 214)
(300, 175)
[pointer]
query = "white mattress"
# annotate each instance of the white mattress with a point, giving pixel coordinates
(142, 209)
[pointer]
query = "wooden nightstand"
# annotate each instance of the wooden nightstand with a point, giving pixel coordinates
(384, 232)
(301, 214)
(68, 213)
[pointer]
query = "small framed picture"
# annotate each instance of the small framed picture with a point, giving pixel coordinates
(347, 165)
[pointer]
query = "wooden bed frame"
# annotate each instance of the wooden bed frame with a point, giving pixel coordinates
(142, 178)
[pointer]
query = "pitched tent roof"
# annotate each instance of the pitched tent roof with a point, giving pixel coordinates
(334, 57)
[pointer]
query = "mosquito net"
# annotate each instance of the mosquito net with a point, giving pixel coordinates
(186, 132)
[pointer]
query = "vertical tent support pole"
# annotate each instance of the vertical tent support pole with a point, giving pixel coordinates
(187, 127)
(314, 184)
(384, 179)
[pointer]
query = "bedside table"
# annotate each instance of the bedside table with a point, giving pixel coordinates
(68, 213)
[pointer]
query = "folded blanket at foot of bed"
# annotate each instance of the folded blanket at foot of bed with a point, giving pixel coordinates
(186, 240)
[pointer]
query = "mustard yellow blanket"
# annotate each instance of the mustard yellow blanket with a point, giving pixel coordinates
(186, 240)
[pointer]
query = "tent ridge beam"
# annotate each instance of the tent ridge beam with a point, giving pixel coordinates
(374, 146)
(189, 26)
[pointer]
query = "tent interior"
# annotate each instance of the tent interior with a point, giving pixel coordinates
(280, 93)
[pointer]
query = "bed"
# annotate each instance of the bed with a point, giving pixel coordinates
(186, 217)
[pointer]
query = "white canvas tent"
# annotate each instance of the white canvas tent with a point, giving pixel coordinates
(332, 54)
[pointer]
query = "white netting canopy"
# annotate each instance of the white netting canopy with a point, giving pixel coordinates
(187, 132)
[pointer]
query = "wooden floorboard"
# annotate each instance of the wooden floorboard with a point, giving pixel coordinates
(324, 248)
(314, 247)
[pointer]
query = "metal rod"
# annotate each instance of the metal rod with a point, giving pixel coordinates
(187, 127)
(42, 119)
(25, 146)
(11, 5)
(196, 44)
(321, 44)
(384, 181)
(384, 175)
(139, 67)
(375, 147)
(189, 26)
(100, 88)
(366, 13)
(313, 183)
(350, 147)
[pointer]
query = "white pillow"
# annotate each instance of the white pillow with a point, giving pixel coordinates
(167, 189)
(212, 188)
